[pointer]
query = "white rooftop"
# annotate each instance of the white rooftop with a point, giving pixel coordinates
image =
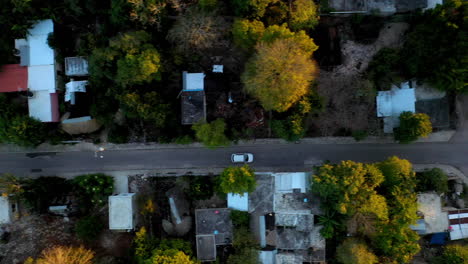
(267, 256)
(121, 211)
(193, 81)
(396, 101)
(39, 50)
(458, 224)
(287, 182)
(41, 106)
(5, 210)
(41, 78)
(76, 66)
(238, 202)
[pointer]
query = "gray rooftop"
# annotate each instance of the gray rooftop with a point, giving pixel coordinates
(76, 66)
(301, 222)
(206, 247)
(297, 202)
(292, 239)
(261, 200)
(193, 107)
(215, 222)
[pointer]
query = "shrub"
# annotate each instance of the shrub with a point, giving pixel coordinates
(353, 251)
(88, 228)
(432, 180)
(40, 192)
(184, 140)
(412, 126)
(95, 188)
(359, 135)
(453, 254)
(240, 219)
(212, 134)
(118, 134)
(200, 187)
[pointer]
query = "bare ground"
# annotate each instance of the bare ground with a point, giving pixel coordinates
(349, 99)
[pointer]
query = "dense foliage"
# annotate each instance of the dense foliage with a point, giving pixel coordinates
(452, 254)
(412, 126)
(88, 228)
(95, 188)
(211, 134)
(237, 180)
(353, 251)
(432, 180)
(240, 218)
(374, 201)
(279, 74)
(245, 248)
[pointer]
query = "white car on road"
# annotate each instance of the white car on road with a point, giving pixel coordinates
(242, 157)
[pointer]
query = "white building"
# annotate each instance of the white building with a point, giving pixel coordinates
(39, 58)
(122, 212)
(6, 210)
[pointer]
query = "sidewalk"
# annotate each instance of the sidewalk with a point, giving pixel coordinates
(443, 136)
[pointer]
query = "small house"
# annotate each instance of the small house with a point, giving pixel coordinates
(76, 66)
(6, 210)
(213, 228)
(193, 100)
(122, 212)
(458, 220)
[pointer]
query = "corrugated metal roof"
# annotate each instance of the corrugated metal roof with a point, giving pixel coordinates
(193, 81)
(76, 66)
(121, 211)
(13, 78)
(287, 182)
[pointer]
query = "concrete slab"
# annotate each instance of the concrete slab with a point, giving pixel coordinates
(430, 205)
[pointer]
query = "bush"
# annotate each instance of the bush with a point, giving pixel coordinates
(184, 140)
(359, 135)
(432, 180)
(291, 129)
(118, 134)
(95, 188)
(200, 187)
(353, 251)
(412, 126)
(212, 135)
(453, 254)
(88, 228)
(240, 219)
(41, 192)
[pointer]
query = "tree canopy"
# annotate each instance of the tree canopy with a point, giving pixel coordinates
(353, 251)
(64, 255)
(432, 180)
(237, 180)
(279, 74)
(452, 254)
(412, 126)
(303, 14)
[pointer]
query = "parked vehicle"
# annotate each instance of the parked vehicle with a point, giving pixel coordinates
(242, 157)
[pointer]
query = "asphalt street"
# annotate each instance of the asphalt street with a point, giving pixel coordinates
(267, 157)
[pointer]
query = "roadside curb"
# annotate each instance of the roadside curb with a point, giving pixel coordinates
(443, 136)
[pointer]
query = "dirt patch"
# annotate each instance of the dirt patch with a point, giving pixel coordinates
(31, 234)
(349, 98)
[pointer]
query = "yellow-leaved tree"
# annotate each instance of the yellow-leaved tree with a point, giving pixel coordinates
(170, 256)
(279, 74)
(64, 255)
(353, 251)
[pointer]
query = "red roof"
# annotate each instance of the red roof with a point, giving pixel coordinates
(13, 78)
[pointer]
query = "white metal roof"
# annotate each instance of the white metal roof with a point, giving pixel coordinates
(193, 81)
(40, 106)
(267, 256)
(76, 66)
(40, 52)
(396, 101)
(238, 202)
(5, 210)
(121, 211)
(286, 182)
(41, 78)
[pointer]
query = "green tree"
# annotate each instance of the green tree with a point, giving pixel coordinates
(303, 15)
(95, 188)
(11, 186)
(397, 243)
(237, 180)
(432, 180)
(443, 61)
(245, 248)
(22, 130)
(452, 254)
(246, 33)
(129, 59)
(300, 38)
(250, 8)
(412, 127)
(384, 67)
(211, 134)
(149, 107)
(397, 172)
(279, 74)
(353, 251)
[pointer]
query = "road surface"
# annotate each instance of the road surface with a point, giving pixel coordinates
(274, 157)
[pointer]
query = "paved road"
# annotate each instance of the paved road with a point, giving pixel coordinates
(267, 157)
